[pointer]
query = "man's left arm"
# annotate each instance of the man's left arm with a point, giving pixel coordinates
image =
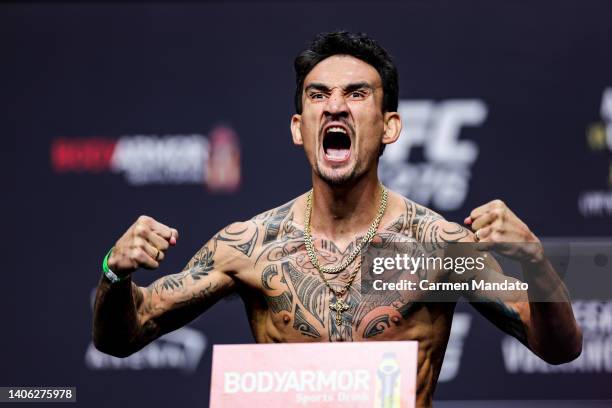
(542, 318)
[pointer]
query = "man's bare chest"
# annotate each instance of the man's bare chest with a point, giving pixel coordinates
(298, 303)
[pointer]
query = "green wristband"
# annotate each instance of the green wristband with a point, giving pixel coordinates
(110, 275)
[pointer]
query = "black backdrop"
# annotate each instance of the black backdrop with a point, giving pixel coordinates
(73, 74)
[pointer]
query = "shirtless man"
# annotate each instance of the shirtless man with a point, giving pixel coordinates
(346, 103)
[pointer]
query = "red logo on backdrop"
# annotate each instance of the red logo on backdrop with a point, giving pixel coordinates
(82, 155)
(152, 159)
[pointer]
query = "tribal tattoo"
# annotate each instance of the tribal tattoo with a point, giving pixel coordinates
(291, 283)
(280, 274)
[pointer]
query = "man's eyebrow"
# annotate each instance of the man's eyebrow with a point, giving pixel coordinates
(358, 85)
(347, 88)
(317, 86)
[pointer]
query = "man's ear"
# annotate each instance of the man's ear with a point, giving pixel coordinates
(393, 127)
(296, 130)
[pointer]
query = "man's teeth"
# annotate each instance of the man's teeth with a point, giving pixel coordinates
(336, 129)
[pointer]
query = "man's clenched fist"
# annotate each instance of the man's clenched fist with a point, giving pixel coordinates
(143, 245)
(497, 228)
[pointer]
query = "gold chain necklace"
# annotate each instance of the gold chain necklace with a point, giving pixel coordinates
(340, 306)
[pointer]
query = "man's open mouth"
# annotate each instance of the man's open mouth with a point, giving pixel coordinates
(336, 143)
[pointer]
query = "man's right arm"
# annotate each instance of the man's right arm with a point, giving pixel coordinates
(128, 317)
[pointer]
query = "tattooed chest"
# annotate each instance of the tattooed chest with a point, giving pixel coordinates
(293, 303)
(299, 306)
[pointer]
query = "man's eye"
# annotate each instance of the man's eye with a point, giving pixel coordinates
(317, 95)
(357, 94)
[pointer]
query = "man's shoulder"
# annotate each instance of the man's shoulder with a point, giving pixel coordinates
(276, 214)
(266, 226)
(425, 224)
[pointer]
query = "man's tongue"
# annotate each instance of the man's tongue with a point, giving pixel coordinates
(337, 145)
(337, 153)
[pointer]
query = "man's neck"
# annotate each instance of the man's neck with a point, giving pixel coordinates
(338, 211)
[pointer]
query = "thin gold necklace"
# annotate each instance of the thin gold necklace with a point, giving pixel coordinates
(340, 306)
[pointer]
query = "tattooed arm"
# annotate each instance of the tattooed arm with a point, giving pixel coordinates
(128, 317)
(551, 329)
(547, 328)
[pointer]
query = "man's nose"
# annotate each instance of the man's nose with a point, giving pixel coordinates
(336, 105)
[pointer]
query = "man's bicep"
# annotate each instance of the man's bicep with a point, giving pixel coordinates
(174, 300)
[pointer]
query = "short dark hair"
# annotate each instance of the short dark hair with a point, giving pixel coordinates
(357, 45)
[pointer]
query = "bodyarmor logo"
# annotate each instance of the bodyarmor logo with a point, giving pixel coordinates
(388, 383)
(145, 159)
(429, 163)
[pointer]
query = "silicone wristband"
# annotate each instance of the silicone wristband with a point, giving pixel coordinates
(110, 275)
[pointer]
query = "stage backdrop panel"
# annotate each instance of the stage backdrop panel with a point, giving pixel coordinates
(182, 112)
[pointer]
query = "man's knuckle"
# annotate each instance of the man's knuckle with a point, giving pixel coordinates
(144, 219)
(140, 230)
(498, 203)
(497, 212)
